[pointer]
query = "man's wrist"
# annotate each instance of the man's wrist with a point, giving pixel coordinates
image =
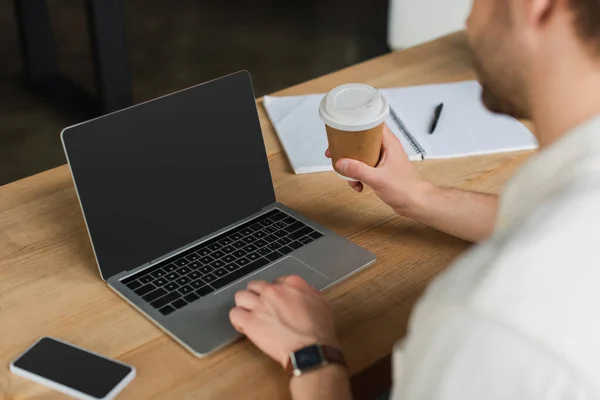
(416, 201)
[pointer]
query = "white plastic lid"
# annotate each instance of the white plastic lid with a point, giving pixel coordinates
(354, 107)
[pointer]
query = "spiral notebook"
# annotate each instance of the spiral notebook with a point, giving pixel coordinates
(465, 127)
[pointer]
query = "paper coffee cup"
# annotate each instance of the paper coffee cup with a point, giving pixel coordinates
(354, 115)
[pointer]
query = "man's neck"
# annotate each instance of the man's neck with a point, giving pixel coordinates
(565, 91)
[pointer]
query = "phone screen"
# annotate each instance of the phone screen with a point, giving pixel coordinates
(69, 366)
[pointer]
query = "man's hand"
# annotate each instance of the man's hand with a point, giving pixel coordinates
(395, 180)
(283, 317)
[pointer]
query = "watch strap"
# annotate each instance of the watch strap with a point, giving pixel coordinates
(330, 354)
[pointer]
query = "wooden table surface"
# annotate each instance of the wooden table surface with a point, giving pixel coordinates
(49, 282)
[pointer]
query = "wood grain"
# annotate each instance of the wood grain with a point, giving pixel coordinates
(49, 283)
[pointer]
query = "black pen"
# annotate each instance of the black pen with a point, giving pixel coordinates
(436, 117)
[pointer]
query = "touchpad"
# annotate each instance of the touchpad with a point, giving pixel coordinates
(285, 267)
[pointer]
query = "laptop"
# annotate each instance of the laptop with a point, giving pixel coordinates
(180, 207)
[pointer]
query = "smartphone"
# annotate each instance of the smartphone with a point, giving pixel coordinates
(72, 370)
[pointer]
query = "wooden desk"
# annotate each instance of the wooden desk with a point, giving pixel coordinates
(49, 284)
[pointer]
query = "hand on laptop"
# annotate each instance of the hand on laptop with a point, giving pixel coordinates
(395, 180)
(283, 317)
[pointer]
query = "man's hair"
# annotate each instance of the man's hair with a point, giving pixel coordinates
(587, 21)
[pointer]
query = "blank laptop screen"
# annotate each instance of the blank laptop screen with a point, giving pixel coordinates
(158, 176)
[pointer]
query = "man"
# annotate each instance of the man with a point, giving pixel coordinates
(517, 317)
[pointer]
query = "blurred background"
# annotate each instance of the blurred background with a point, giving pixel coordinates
(171, 45)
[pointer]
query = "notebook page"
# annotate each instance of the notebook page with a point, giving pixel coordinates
(465, 127)
(302, 133)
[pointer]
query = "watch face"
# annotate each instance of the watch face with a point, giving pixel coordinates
(308, 358)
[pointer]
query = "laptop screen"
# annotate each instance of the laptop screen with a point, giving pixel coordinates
(160, 175)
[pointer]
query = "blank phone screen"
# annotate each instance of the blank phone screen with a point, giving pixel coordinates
(72, 367)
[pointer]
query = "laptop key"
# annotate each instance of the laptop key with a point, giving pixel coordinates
(195, 265)
(274, 256)
(253, 256)
(183, 271)
(226, 241)
(232, 267)
(192, 257)
(228, 258)
(154, 295)
(271, 238)
(239, 253)
(208, 278)
(179, 303)
(172, 276)
(263, 251)
(250, 248)
(203, 252)
(171, 286)
(183, 280)
(215, 246)
(306, 240)
(144, 289)
(246, 231)
(206, 269)
(260, 243)
(194, 275)
(158, 273)
(166, 310)
(279, 225)
(270, 229)
(289, 220)
(281, 233)
(203, 291)
(260, 234)
(243, 261)
(220, 272)
(316, 235)
(170, 268)
(250, 239)
(228, 249)
(191, 297)
(197, 284)
(302, 232)
(284, 241)
(273, 246)
(206, 260)
(217, 254)
(134, 285)
(239, 244)
(163, 301)
(236, 236)
(181, 262)
(186, 289)
(217, 264)
(294, 227)
(146, 279)
(285, 249)
(295, 245)
(266, 222)
(279, 216)
(256, 227)
(240, 273)
(160, 282)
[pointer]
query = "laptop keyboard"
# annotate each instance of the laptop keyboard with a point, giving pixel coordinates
(212, 265)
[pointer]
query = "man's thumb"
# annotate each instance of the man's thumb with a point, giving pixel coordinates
(355, 170)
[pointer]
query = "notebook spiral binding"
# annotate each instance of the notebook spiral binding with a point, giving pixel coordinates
(413, 143)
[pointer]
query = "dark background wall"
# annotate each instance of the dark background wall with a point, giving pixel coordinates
(173, 44)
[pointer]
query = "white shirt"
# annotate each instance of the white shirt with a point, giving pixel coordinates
(518, 317)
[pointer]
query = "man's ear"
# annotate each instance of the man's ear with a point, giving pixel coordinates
(538, 12)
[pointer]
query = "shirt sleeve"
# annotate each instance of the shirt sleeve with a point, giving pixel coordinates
(452, 354)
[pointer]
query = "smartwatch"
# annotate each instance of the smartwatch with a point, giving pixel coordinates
(313, 357)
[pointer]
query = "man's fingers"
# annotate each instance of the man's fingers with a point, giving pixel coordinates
(358, 186)
(257, 286)
(356, 170)
(293, 280)
(327, 153)
(246, 300)
(390, 140)
(239, 318)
